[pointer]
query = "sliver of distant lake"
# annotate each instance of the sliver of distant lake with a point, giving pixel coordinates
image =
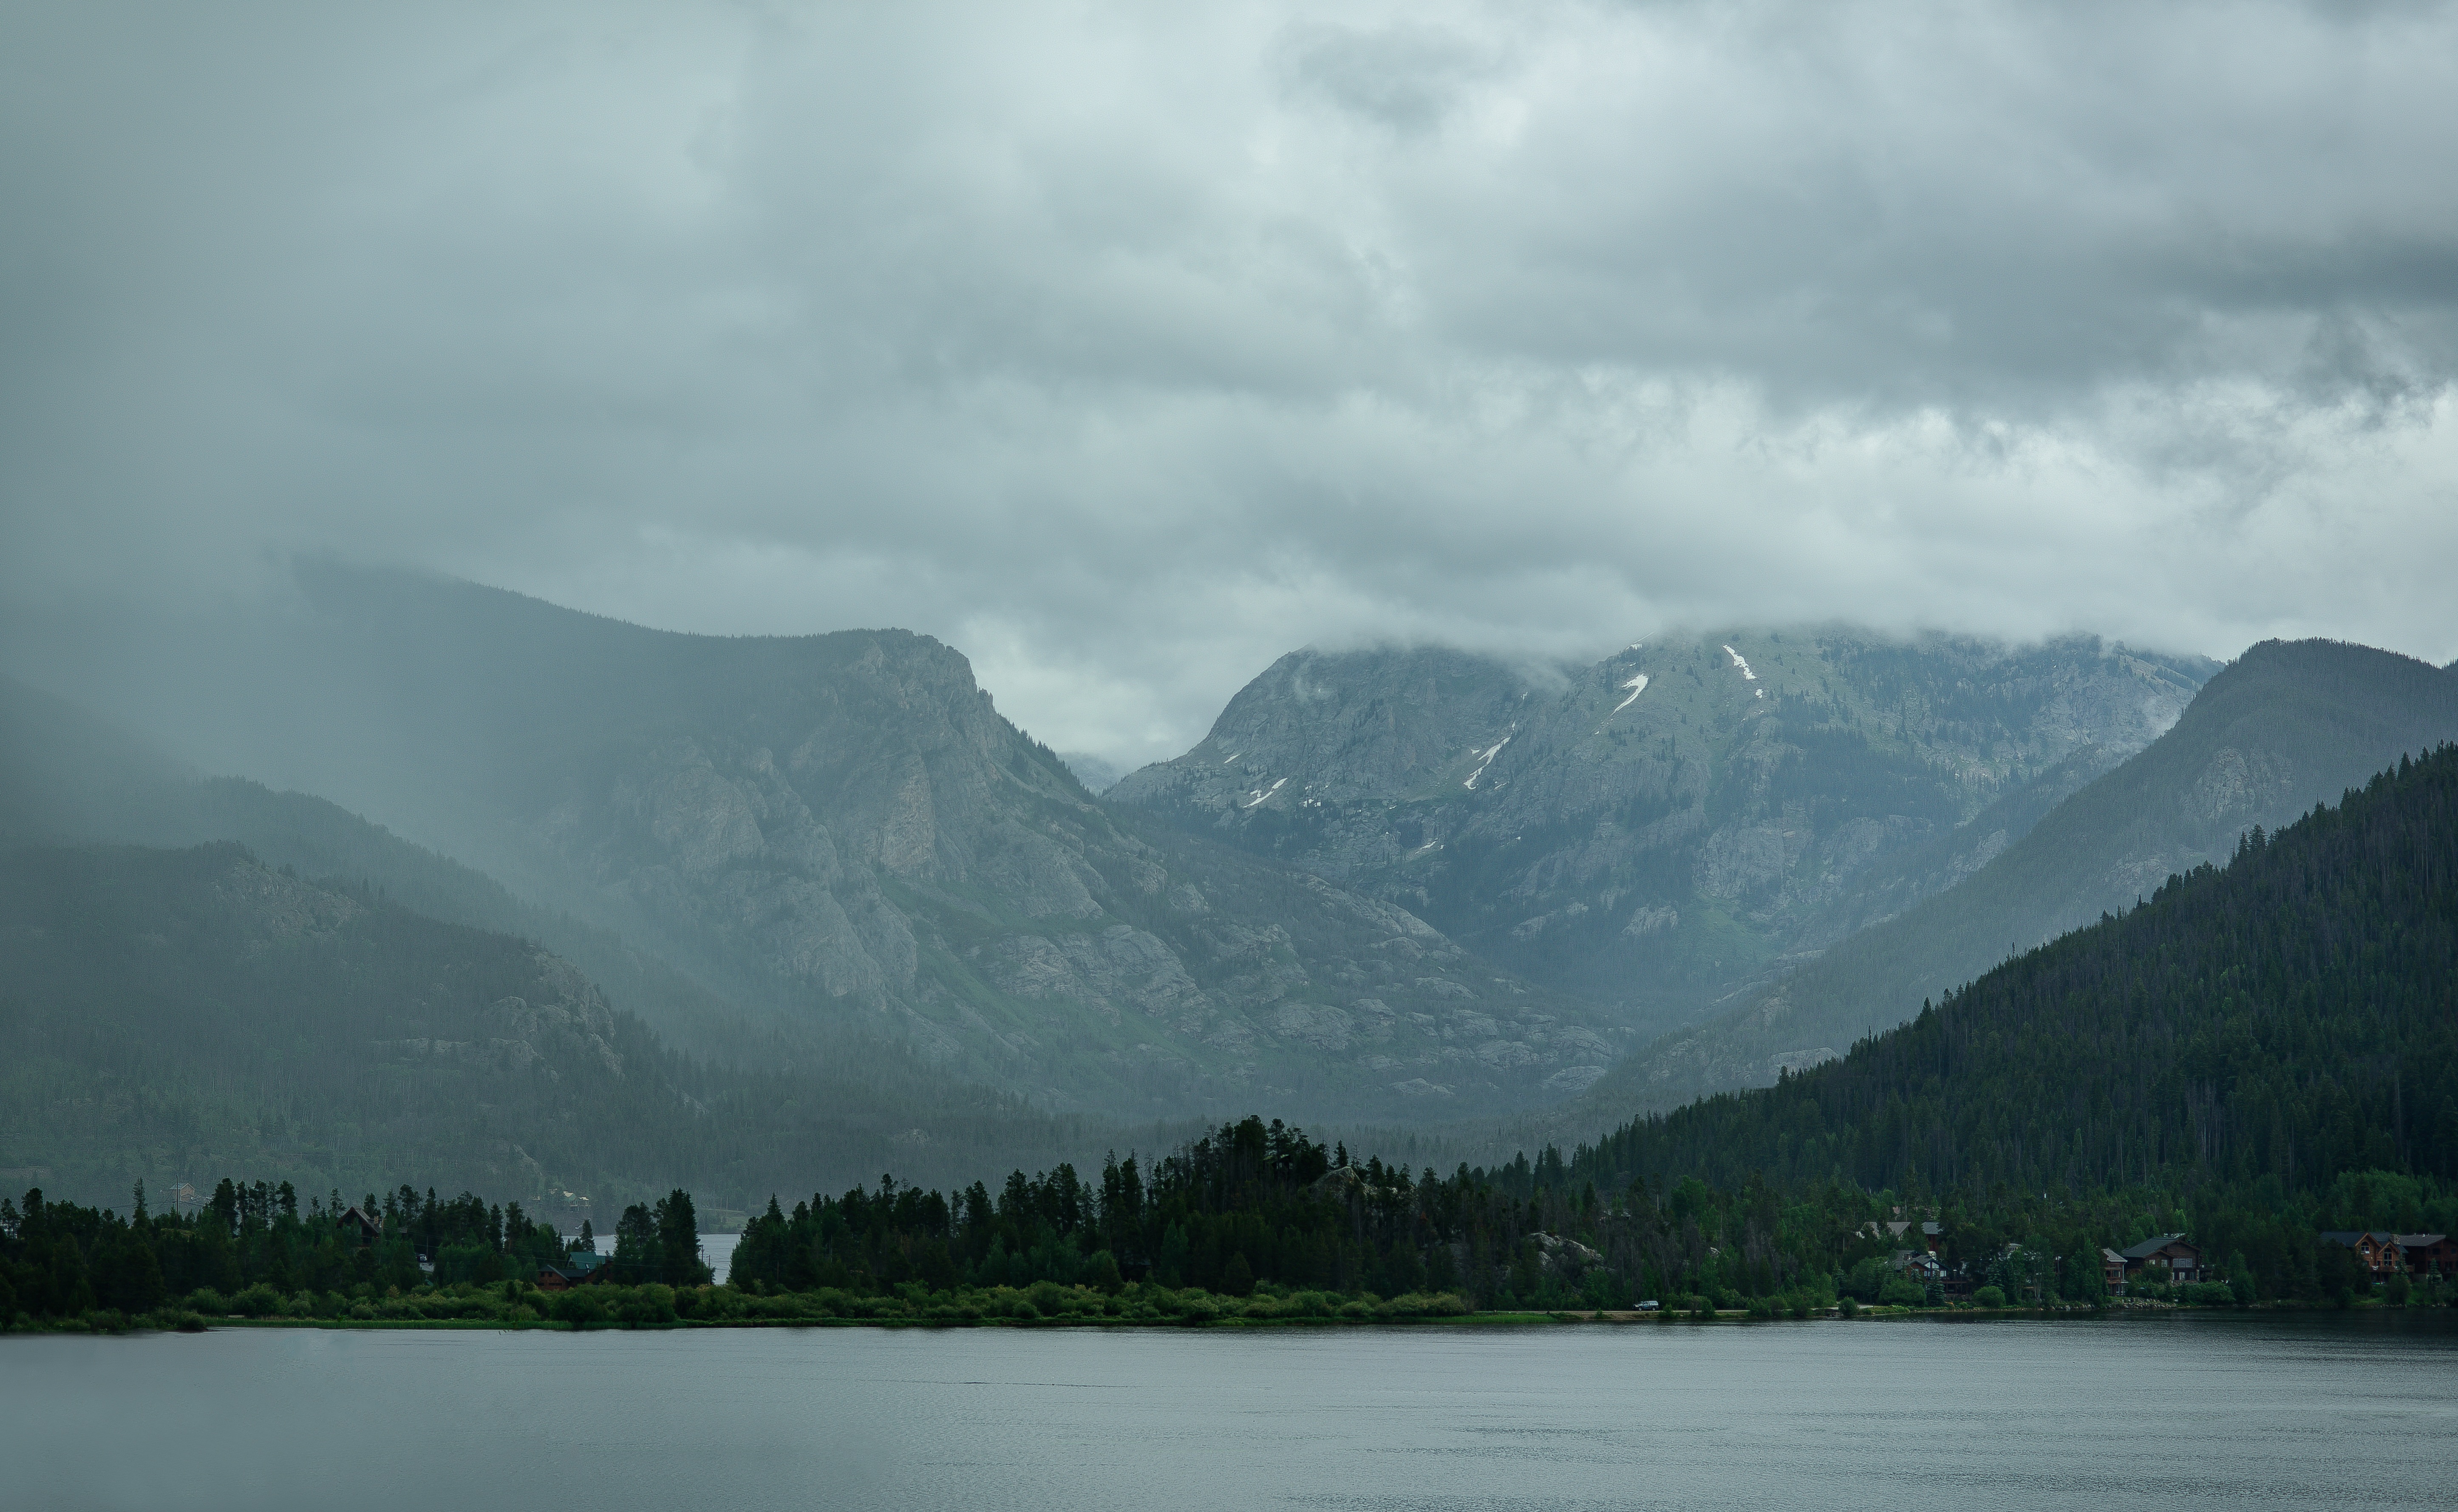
(2195, 1412)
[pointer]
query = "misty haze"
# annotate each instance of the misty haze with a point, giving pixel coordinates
(1247, 756)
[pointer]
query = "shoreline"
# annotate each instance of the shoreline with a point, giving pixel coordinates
(187, 1322)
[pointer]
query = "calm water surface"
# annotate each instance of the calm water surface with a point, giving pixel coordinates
(2177, 1413)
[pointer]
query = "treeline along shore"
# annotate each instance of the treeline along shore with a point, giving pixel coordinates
(1251, 1223)
(2243, 1092)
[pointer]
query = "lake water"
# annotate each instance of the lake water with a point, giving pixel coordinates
(2183, 1412)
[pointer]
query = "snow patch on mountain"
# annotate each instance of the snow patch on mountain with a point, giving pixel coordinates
(1485, 760)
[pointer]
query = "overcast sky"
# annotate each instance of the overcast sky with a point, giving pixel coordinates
(1128, 347)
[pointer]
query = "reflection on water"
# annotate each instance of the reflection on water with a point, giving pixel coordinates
(2182, 1412)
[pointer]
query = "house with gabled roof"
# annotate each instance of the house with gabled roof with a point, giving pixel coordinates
(2428, 1254)
(355, 1224)
(2162, 1257)
(2377, 1249)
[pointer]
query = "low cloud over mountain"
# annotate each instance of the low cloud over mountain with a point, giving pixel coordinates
(1128, 349)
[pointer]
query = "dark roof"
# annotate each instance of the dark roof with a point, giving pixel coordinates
(2351, 1237)
(2419, 1241)
(2155, 1243)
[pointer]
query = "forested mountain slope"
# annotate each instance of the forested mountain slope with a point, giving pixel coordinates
(2287, 725)
(840, 829)
(1661, 827)
(2289, 1016)
(169, 1014)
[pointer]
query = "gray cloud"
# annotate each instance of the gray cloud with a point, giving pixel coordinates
(1126, 349)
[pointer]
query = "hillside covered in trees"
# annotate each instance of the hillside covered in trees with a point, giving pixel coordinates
(2287, 726)
(2287, 1017)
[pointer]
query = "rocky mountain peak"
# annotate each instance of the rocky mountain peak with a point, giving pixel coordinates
(1660, 826)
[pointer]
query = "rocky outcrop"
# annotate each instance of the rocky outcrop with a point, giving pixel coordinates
(1565, 1257)
(279, 906)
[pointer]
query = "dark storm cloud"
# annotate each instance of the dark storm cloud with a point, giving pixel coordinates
(1126, 347)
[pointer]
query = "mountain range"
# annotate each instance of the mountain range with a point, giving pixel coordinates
(1403, 887)
(840, 831)
(1662, 828)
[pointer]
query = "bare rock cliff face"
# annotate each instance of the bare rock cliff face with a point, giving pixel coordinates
(878, 839)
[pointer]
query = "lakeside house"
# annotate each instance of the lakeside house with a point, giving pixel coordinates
(2429, 1254)
(357, 1225)
(1932, 1238)
(1920, 1267)
(576, 1268)
(2377, 1249)
(2387, 1254)
(2162, 1257)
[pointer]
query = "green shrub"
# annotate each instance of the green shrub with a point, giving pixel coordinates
(1197, 1307)
(257, 1301)
(646, 1306)
(1990, 1296)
